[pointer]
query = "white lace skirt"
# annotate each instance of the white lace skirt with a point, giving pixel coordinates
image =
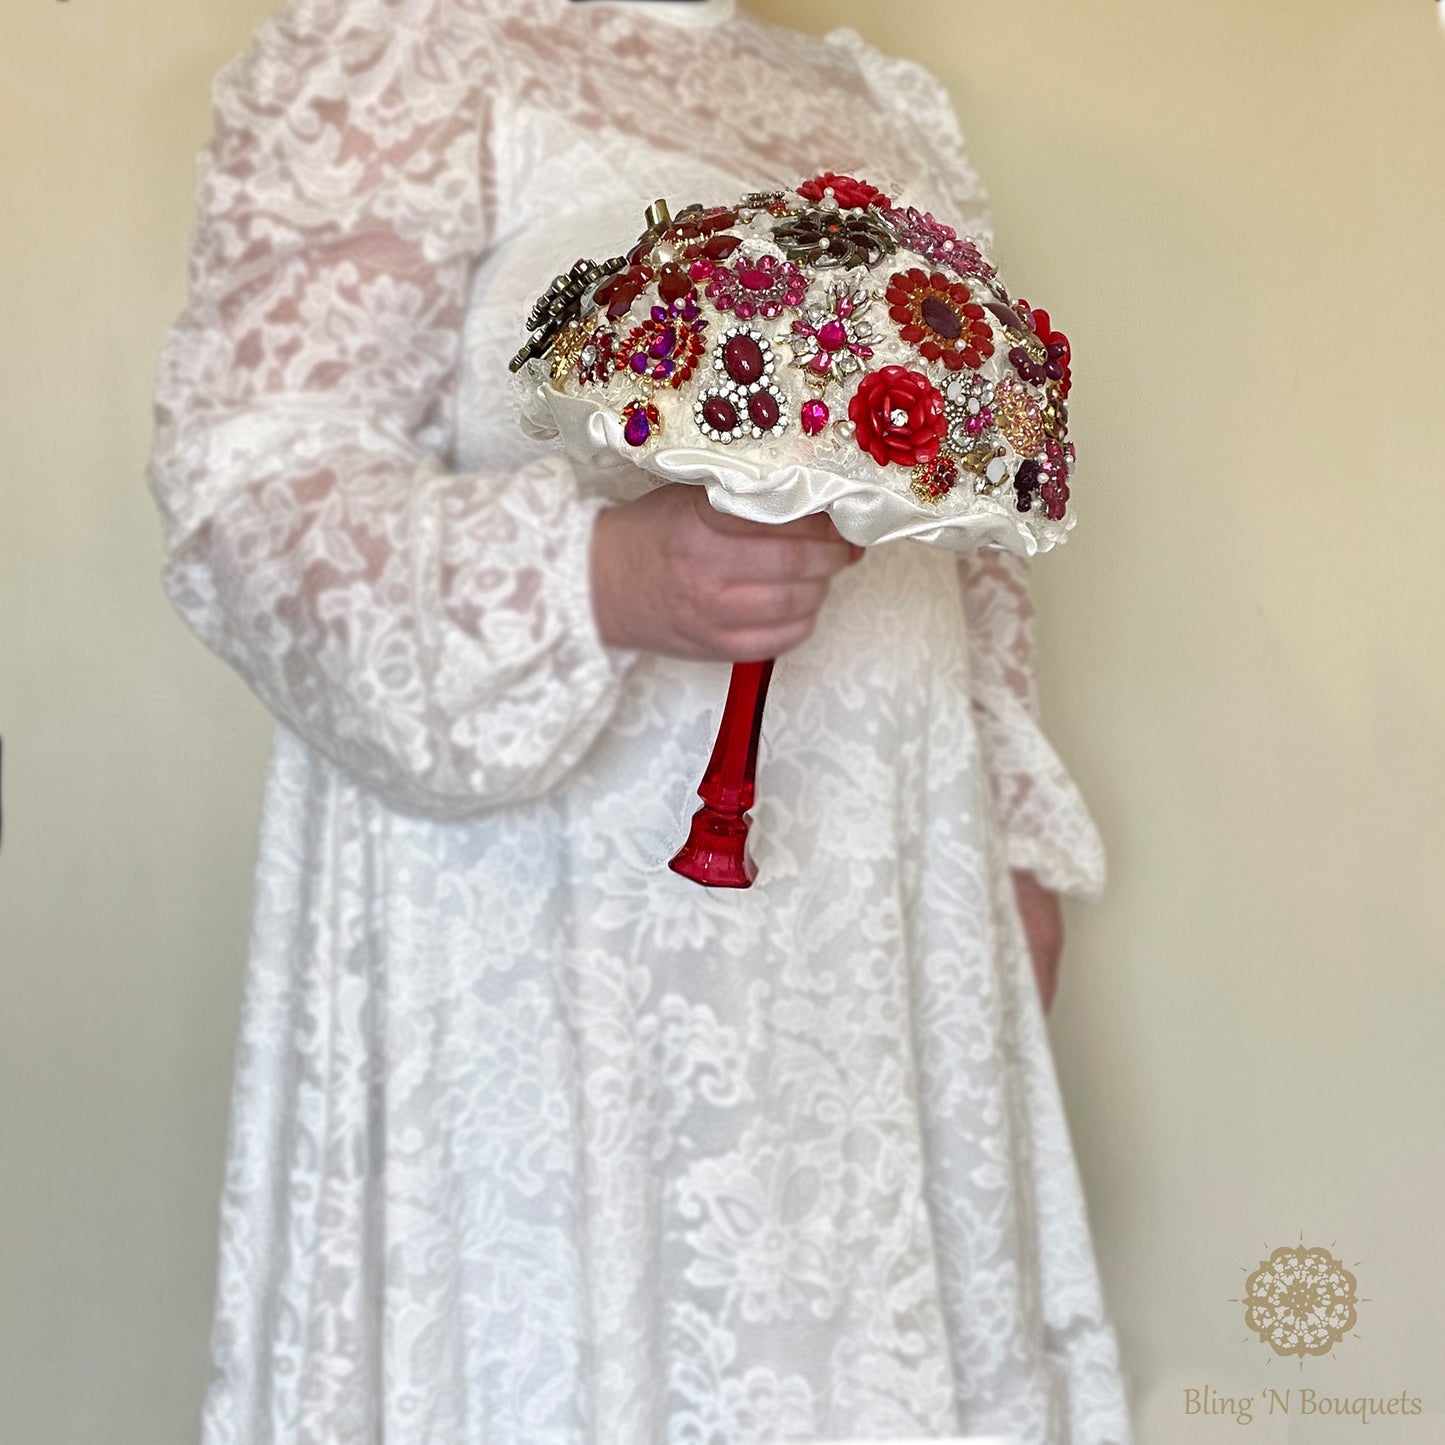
(536, 1143)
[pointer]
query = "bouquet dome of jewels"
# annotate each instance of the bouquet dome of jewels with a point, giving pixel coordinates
(825, 349)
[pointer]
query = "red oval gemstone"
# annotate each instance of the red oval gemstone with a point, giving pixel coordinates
(743, 358)
(833, 336)
(941, 318)
(719, 413)
(764, 410)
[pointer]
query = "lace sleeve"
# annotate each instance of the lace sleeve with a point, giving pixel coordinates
(430, 631)
(1046, 824)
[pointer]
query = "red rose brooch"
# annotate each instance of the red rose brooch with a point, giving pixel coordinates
(850, 194)
(900, 416)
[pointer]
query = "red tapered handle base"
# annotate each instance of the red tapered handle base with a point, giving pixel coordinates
(716, 851)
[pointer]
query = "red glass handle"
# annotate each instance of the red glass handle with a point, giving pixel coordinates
(716, 852)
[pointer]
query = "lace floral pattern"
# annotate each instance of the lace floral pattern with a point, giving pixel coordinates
(1046, 825)
(531, 1140)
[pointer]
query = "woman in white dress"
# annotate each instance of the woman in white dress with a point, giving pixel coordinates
(533, 1142)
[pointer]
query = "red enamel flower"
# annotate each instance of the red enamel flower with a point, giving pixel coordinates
(940, 318)
(849, 193)
(900, 416)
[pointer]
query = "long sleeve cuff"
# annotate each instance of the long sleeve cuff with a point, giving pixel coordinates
(1046, 824)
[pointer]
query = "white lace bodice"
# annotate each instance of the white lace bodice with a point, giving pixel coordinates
(353, 520)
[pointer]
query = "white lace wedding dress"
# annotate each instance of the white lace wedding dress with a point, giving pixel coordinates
(533, 1142)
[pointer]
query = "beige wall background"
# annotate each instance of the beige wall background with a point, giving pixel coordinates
(1237, 212)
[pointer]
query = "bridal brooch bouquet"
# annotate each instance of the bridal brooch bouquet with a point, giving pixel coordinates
(822, 349)
(825, 349)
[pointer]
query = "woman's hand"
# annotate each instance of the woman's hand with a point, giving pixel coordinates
(672, 575)
(1043, 920)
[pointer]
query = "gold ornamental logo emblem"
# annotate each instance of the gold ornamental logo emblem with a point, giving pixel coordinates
(1301, 1301)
